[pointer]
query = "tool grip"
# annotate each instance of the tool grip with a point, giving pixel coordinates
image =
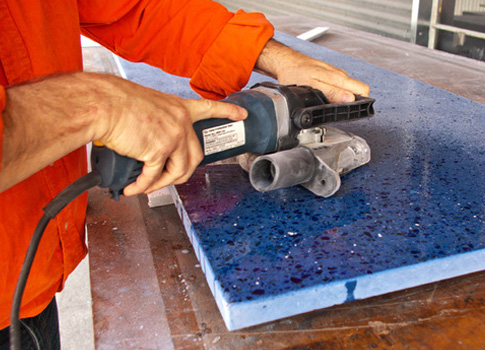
(309, 117)
(116, 171)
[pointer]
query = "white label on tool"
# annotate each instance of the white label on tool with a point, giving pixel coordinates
(223, 137)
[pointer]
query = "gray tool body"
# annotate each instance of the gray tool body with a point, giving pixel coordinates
(302, 150)
(316, 163)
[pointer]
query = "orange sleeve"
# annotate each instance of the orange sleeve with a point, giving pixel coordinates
(199, 39)
(3, 102)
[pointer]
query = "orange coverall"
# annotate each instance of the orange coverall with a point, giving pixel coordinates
(199, 39)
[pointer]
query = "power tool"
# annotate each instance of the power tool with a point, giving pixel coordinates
(284, 141)
(286, 124)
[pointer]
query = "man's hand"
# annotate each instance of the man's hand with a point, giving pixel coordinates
(292, 67)
(48, 119)
(157, 129)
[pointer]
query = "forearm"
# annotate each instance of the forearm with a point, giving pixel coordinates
(273, 59)
(46, 120)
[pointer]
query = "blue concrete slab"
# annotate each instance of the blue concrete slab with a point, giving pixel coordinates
(414, 215)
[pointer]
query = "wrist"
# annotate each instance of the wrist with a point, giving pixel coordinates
(275, 59)
(97, 105)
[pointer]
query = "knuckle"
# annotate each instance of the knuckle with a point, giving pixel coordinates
(184, 178)
(343, 72)
(210, 107)
(181, 113)
(332, 93)
(178, 133)
(195, 161)
(208, 104)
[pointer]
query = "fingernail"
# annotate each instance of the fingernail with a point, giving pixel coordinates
(348, 98)
(243, 113)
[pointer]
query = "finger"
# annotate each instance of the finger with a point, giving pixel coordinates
(335, 94)
(330, 75)
(203, 109)
(195, 155)
(167, 177)
(341, 87)
(175, 168)
(355, 86)
(180, 165)
(149, 174)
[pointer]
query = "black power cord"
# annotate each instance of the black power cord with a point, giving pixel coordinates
(110, 170)
(58, 203)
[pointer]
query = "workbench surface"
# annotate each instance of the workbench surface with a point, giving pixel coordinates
(149, 292)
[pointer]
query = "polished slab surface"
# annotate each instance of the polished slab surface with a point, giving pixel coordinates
(460, 75)
(406, 219)
(149, 292)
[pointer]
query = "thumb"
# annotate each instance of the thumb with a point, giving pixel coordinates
(205, 109)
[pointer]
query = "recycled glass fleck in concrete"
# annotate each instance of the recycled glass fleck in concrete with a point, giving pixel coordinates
(414, 215)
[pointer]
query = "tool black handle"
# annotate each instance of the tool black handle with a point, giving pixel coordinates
(116, 171)
(314, 116)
